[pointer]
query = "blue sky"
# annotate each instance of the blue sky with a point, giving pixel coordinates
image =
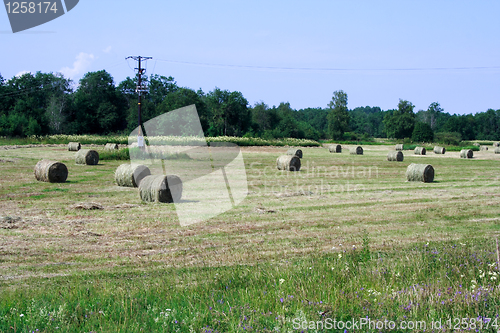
(281, 51)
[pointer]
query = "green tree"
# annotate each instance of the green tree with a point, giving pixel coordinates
(338, 116)
(229, 113)
(422, 133)
(25, 99)
(400, 123)
(99, 107)
(182, 97)
(287, 127)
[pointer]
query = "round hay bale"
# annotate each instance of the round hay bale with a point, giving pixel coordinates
(160, 188)
(439, 150)
(111, 146)
(356, 150)
(399, 146)
(420, 151)
(395, 156)
(420, 173)
(130, 175)
(294, 152)
(87, 156)
(335, 148)
(288, 162)
(51, 171)
(483, 148)
(74, 146)
(496, 144)
(477, 144)
(497, 150)
(466, 153)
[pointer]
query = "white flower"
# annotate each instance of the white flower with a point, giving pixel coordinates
(21, 315)
(340, 255)
(282, 280)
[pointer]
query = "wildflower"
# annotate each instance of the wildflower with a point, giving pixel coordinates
(340, 255)
(282, 280)
(21, 315)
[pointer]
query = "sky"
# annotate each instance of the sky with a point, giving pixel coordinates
(280, 51)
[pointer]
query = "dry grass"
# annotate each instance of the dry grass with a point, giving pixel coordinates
(330, 201)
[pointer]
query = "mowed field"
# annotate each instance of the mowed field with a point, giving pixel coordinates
(339, 209)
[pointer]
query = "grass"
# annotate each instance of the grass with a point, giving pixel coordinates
(424, 282)
(447, 147)
(346, 237)
(124, 139)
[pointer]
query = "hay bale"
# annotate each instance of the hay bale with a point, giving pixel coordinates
(477, 144)
(288, 162)
(130, 175)
(294, 152)
(160, 188)
(466, 153)
(483, 148)
(399, 146)
(74, 146)
(335, 148)
(395, 156)
(87, 156)
(420, 151)
(356, 150)
(496, 144)
(420, 173)
(439, 150)
(111, 146)
(51, 171)
(497, 150)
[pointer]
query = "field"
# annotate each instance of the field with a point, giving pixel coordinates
(345, 238)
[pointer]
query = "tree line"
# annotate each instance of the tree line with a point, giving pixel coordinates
(47, 103)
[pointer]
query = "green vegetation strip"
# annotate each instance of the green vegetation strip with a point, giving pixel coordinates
(424, 282)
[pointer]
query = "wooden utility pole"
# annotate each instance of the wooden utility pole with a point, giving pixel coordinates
(140, 89)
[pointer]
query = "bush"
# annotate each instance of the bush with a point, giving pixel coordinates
(459, 148)
(118, 154)
(448, 138)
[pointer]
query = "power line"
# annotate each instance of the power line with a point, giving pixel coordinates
(329, 69)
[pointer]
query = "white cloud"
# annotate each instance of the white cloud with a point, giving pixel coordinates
(21, 73)
(107, 50)
(80, 66)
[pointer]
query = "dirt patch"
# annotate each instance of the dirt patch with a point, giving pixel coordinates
(87, 206)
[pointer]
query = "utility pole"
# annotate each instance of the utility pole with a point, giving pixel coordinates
(140, 89)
